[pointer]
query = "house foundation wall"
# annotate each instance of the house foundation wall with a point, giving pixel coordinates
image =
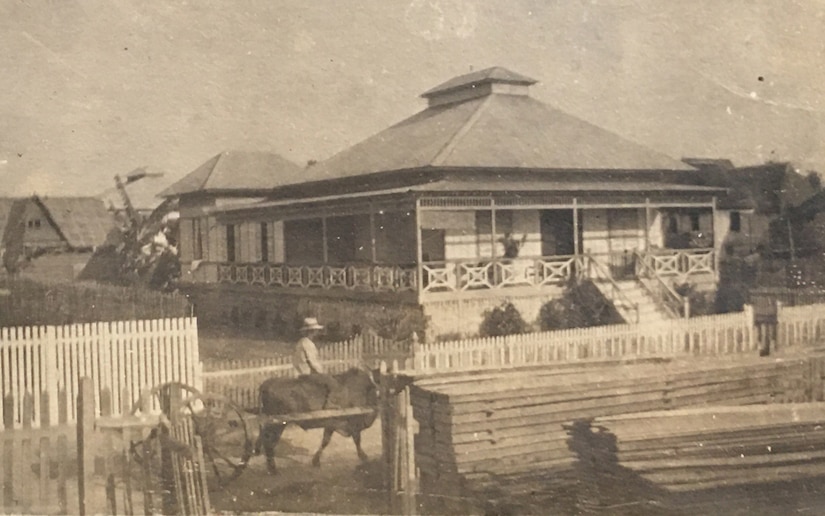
(278, 314)
(460, 318)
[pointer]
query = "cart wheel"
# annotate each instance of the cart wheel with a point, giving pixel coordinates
(227, 445)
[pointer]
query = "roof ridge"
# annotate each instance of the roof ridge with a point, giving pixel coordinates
(462, 131)
(218, 158)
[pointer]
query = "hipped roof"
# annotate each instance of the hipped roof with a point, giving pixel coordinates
(495, 130)
(237, 171)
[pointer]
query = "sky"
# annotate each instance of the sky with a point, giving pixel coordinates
(95, 88)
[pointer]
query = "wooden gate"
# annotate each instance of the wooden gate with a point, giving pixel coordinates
(165, 473)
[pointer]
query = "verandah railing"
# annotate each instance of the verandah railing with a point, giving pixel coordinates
(375, 277)
(676, 305)
(464, 274)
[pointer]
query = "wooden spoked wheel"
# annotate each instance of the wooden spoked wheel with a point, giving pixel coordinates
(227, 444)
(216, 420)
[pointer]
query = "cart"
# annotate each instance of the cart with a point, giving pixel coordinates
(224, 428)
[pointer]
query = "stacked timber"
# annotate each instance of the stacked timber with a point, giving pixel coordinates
(481, 431)
(710, 447)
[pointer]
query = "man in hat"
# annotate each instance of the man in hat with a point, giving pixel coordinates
(306, 361)
(305, 358)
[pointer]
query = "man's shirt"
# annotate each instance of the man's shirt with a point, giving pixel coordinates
(305, 358)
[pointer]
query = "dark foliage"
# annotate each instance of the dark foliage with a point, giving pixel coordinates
(581, 305)
(30, 303)
(503, 320)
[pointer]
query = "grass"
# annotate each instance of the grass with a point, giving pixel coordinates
(227, 344)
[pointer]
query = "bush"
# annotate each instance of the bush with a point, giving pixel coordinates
(704, 303)
(581, 305)
(30, 303)
(503, 320)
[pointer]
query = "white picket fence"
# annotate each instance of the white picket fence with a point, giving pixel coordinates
(800, 326)
(239, 380)
(711, 335)
(707, 335)
(123, 358)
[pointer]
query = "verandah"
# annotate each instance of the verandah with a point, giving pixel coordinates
(464, 243)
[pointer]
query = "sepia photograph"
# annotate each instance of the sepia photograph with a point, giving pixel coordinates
(412, 257)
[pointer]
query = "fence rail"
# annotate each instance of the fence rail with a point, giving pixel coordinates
(46, 362)
(707, 335)
(239, 380)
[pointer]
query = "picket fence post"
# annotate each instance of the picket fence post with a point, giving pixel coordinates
(85, 442)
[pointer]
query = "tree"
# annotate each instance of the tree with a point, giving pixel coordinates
(814, 179)
(141, 251)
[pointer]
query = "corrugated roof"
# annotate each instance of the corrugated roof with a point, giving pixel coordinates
(238, 170)
(447, 185)
(142, 186)
(494, 131)
(494, 74)
(83, 222)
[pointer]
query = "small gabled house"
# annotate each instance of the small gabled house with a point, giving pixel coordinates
(486, 195)
(53, 237)
(228, 179)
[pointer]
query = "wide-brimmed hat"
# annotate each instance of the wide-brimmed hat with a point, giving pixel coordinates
(311, 323)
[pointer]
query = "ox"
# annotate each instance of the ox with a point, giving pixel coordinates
(282, 396)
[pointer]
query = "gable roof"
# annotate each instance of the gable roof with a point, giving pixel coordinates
(492, 130)
(83, 222)
(142, 185)
(237, 171)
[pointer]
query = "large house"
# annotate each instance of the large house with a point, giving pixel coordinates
(486, 195)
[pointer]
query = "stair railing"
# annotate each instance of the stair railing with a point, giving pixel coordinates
(597, 270)
(675, 304)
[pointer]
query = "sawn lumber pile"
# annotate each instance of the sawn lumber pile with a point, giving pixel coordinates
(479, 431)
(712, 447)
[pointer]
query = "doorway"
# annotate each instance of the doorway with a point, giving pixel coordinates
(557, 232)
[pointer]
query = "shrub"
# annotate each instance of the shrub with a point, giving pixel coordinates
(581, 305)
(396, 323)
(702, 303)
(31, 303)
(503, 320)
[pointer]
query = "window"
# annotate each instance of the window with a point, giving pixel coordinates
(197, 240)
(230, 243)
(264, 242)
(735, 221)
(33, 224)
(694, 221)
